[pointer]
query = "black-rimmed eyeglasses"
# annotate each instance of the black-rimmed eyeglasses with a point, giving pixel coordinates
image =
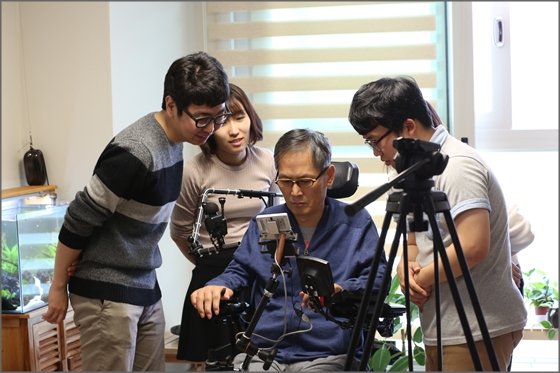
(374, 145)
(202, 122)
(305, 182)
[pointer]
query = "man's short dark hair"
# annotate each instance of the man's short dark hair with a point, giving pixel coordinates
(198, 79)
(388, 102)
(298, 140)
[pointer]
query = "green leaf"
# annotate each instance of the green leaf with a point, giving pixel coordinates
(540, 290)
(401, 365)
(10, 258)
(415, 312)
(419, 355)
(417, 337)
(551, 333)
(50, 252)
(380, 360)
(7, 294)
(546, 324)
(395, 285)
(529, 273)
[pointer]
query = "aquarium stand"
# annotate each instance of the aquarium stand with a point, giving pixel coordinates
(31, 344)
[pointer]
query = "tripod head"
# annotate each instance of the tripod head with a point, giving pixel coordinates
(416, 161)
(411, 151)
(426, 154)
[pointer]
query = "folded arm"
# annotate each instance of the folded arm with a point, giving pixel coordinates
(418, 294)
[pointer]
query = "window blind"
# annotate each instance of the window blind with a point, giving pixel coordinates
(301, 62)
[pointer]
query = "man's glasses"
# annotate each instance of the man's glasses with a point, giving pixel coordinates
(374, 145)
(302, 183)
(202, 122)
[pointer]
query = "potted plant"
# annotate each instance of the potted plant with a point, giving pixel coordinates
(388, 357)
(540, 291)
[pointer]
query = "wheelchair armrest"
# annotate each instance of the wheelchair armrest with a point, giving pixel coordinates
(393, 310)
(345, 304)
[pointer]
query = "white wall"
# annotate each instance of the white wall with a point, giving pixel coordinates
(146, 37)
(12, 98)
(67, 76)
(461, 97)
(91, 69)
(59, 71)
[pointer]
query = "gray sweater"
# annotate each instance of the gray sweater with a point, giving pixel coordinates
(120, 216)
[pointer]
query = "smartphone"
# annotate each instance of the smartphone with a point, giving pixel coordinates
(270, 227)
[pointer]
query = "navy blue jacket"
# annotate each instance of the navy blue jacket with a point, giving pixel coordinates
(347, 243)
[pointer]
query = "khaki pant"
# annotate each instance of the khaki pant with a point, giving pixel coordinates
(457, 358)
(119, 336)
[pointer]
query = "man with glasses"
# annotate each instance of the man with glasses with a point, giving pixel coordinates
(303, 161)
(114, 225)
(387, 108)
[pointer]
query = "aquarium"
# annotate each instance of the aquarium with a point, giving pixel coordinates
(29, 239)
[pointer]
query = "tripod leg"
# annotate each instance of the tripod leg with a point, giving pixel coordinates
(357, 330)
(401, 227)
(472, 291)
(407, 302)
(437, 248)
(244, 341)
(430, 209)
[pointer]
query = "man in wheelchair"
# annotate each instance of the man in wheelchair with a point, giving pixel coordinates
(289, 334)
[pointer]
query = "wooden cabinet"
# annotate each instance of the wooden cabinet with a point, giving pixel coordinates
(28, 342)
(31, 344)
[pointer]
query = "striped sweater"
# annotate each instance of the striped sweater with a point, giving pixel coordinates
(120, 216)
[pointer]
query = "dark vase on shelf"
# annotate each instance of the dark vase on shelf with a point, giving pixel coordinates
(552, 317)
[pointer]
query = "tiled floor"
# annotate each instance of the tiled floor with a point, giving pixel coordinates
(529, 356)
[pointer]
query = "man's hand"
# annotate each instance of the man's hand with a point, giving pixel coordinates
(58, 305)
(58, 293)
(418, 295)
(418, 298)
(305, 296)
(72, 269)
(206, 300)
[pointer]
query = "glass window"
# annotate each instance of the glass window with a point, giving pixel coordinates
(301, 63)
(516, 81)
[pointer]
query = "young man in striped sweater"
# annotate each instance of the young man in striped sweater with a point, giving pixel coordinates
(114, 225)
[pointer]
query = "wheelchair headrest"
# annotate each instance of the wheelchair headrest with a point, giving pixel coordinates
(345, 181)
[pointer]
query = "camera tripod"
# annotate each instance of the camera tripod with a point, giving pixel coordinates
(417, 198)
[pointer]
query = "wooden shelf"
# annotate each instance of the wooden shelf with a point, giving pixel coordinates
(31, 344)
(24, 190)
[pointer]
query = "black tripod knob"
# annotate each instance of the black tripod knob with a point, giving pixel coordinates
(268, 357)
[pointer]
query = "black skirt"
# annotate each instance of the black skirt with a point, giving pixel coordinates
(199, 335)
